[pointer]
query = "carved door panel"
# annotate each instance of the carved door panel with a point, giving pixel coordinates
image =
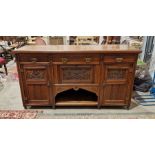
(37, 84)
(116, 84)
(76, 74)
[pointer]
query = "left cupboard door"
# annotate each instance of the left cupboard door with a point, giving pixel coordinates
(37, 84)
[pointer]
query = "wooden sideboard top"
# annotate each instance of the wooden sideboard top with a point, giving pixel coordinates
(77, 49)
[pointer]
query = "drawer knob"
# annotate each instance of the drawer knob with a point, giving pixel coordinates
(119, 59)
(88, 60)
(34, 59)
(64, 60)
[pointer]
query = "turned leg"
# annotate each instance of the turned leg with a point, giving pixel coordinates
(99, 106)
(53, 105)
(25, 107)
(28, 107)
(127, 107)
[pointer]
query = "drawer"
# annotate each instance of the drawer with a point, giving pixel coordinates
(119, 58)
(33, 57)
(76, 59)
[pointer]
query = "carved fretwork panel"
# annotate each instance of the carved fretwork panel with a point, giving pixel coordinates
(92, 89)
(76, 88)
(79, 74)
(35, 74)
(76, 73)
(116, 74)
(61, 89)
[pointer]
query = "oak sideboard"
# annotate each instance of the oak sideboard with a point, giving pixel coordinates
(72, 75)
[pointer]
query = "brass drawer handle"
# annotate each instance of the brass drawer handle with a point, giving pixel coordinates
(119, 59)
(64, 60)
(34, 59)
(88, 60)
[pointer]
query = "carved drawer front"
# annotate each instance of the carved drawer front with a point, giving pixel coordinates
(76, 73)
(76, 59)
(33, 57)
(36, 82)
(119, 58)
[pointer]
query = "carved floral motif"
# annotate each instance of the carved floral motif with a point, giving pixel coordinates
(116, 74)
(76, 73)
(35, 74)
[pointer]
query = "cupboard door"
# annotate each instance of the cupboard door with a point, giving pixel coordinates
(37, 84)
(116, 85)
(77, 74)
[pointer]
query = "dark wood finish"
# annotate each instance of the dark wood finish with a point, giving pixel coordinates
(47, 71)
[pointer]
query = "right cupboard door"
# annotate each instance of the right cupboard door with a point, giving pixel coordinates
(117, 84)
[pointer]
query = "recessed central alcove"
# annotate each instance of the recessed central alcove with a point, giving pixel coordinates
(78, 97)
